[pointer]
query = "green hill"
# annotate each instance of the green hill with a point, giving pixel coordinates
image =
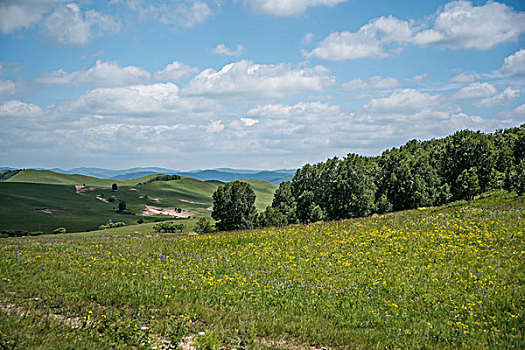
(41, 200)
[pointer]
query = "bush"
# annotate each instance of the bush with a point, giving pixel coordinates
(140, 220)
(203, 226)
(59, 231)
(168, 227)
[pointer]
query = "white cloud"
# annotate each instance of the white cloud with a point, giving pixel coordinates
(7, 87)
(420, 78)
(244, 79)
(376, 82)
(287, 7)
(17, 108)
(176, 14)
(221, 49)
(407, 100)
(215, 126)
(475, 90)
(370, 41)
(308, 38)
(69, 26)
(19, 14)
(101, 74)
(140, 100)
(502, 99)
(520, 110)
(249, 121)
(514, 65)
(301, 110)
(462, 78)
(175, 71)
(459, 25)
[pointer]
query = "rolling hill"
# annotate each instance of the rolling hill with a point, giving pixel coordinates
(42, 200)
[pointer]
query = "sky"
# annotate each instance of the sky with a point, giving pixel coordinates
(255, 84)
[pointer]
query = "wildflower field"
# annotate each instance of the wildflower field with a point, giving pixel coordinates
(452, 277)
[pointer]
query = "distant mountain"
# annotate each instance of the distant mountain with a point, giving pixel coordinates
(220, 174)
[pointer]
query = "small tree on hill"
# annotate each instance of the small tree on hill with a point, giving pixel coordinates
(121, 206)
(233, 206)
(114, 187)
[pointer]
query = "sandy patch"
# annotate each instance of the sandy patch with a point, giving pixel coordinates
(102, 199)
(152, 210)
(80, 188)
(132, 189)
(155, 200)
(191, 202)
(46, 210)
(209, 208)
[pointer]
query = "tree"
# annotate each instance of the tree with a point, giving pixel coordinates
(203, 226)
(60, 230)
(285, 203)
(114, 187)
(234, 206)
(121, 206)
(515, 180)
(468, 184)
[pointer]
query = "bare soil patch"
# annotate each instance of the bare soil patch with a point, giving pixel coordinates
(102, 199)
(191, 202)
(152, 210)
(46, 210)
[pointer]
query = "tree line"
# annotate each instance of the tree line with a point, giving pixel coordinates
(417, 174)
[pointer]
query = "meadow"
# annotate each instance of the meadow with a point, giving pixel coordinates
(436, 278)
(40, 200)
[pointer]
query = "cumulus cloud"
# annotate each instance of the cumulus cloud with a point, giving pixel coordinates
(69, 26)
(376, 82)
(287, 7)
(459, 25)
(475, 90)
(244, 79)
(249, 121)
(370, 41)
(221, 49)
(514, 65)
(462, 78)
(407, 100)
(520, 110)
(504, 98)
(176, 14)
(101, 74)
(175, 71)
(215, 126)
(140, 100)
(20, 14)
(7, 87)
(19, 109)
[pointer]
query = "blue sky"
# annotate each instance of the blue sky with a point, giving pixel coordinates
(260, 84)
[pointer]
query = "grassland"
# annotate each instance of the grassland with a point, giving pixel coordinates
(435, 278)
(36, 200)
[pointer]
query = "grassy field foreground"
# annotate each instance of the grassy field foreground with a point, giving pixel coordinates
(452, 277)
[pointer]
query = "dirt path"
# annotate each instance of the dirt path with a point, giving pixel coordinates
(100, 198)
(191, 202)
(152, 210)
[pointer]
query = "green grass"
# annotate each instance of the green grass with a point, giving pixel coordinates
(436, 278)
(30, 191)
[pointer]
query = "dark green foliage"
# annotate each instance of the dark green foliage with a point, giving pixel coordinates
(515, 180)
(111, 224)
(160, 178)
(418, 174)
(233, 206)
(284, 202)
(203, 226)
(271, 217)
(60, 230)
(465, 150)
(168, 227)
(140, 220)
(114, 187)
(468, 184)
(121, 206)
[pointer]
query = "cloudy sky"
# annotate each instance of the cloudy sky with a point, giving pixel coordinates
(260, 84)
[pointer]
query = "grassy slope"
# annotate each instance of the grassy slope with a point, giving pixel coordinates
(436, 278)
(25, 194)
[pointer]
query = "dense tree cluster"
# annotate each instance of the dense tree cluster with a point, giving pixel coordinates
(160, 178)
(417, 174)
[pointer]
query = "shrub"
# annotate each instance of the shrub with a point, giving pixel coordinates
(203, 226)
(60, 230)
